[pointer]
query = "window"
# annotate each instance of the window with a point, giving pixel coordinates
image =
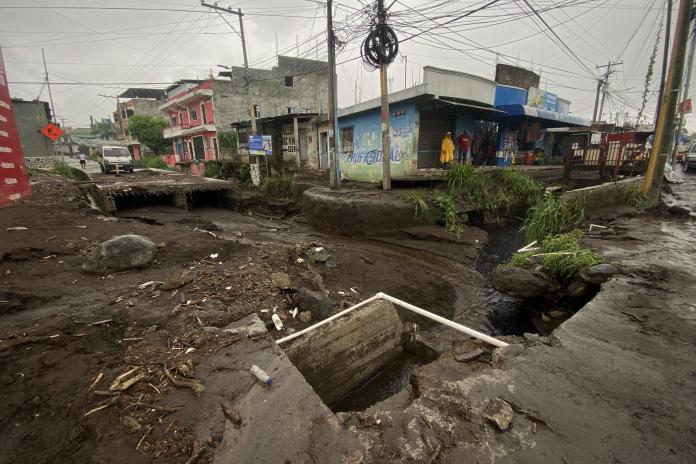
(173, 120)
(307, 110)
(257, 111)
(347, 139)
(288, 110)
(181, 118)
(204, 116)
(288, 81)
(192, 114)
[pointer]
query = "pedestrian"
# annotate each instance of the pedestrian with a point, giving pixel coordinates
(446, 149)
(463, 144)
(83, 160)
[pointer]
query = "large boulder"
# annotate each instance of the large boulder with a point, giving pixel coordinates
(599, 273)
(317, 303)
(120, 253)
(519, 282)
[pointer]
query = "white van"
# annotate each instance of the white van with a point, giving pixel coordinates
(111, 156)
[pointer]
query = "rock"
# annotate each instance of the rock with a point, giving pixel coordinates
(577, 288)
(317, 254)
(319, 304)
(305, 316)
(131, 424)
(599, 273)
(176, 280)
(281, 280)
(678, 210)
(499, 412)
(470, 356)
(120, 253)
(508, 352)
(557, 314)
(519, 283)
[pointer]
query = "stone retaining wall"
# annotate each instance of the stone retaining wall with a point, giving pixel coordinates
(607, 194)
(40, 162)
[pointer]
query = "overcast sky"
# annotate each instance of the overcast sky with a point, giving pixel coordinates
(131, 43)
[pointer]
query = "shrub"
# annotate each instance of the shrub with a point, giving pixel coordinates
(521, 186)
(552, 216)
(63, 169)
(212, 169)
(277, 185)
(423, 210)
(455, 222)
(151, 162)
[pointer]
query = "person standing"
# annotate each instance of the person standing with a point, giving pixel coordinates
(463, 144)
(447, 149)
(83, 160)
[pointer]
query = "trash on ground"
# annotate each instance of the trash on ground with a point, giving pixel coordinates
(261, 375)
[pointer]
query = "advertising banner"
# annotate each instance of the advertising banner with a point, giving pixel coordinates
(14, 181)
(260, 145)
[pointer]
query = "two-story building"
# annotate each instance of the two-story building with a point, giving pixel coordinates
(132, 102)
(200, 111)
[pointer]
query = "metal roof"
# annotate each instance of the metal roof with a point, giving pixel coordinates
(156, 94)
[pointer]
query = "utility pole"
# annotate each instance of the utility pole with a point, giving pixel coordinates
(684, 93)
(665, 122)
(602, 86)
(665, 58)
(405, 70)
(50, 95)
(383, 79)
(250, 106)
(334, 173)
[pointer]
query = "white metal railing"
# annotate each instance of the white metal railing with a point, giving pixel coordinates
(383, 296)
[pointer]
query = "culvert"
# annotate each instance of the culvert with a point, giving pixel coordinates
(343, 355)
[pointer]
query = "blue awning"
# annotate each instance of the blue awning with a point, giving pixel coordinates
(524, 110)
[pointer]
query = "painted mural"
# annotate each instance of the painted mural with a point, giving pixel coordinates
(364, 162)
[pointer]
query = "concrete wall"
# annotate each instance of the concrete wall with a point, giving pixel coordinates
(339, 356)
(31, 117)
(608, 194)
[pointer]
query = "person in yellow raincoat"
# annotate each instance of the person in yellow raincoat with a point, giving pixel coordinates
(447, 149)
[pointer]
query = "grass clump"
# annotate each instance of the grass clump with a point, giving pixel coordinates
(635, 198)
(63, 169)
(551, 216)
(455, 222)
(423, 210)
(281, 186)
(561, 256)
(151, 162)
(521, 186)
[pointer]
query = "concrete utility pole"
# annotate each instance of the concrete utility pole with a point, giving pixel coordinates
(250, 106)
(383, 79)
(665, 122)
(50, 95)
(334, 172)
(684, 93)
(665, 58)
(602, 86)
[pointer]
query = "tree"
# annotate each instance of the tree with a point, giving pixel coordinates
(148, 130)
(105, 131)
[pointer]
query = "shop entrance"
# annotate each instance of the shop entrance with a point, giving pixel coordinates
(433, 126)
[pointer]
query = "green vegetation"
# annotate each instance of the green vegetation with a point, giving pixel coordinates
(635, 198)
(227, 139)
(281, 186)
(561, 256)
(521, 186)
(552, 216)
(63, 169)
(212, 169)
(148, 130)
(151, 162)
(423, 210)
(455, 222)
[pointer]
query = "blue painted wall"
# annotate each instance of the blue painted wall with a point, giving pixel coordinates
(508, 95)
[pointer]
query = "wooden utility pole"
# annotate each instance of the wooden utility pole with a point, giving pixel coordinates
(54, 116)
(684, 93)
(665, 57)
(247, 84)
(334, 172)
(665, 121)
(602, 85)
(383, 79)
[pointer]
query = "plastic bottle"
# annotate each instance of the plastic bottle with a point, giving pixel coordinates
(261, 375)
(277, 322)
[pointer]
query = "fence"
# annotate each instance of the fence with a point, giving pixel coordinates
(610, 158)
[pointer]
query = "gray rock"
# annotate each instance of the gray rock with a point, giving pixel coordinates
(500, 355)
(499, 412)
(577, 288)
(469, 356)
(281, 280)
(120, 253)
(519, 283)
(305, 316)
(318, 304)
(599, 273)
(176, 280)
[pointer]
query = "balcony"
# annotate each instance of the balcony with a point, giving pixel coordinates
(188, 97)
(181, 130)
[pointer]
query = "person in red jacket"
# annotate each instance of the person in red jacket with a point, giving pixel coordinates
(463, 144)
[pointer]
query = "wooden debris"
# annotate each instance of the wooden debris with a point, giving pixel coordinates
(194, 385)
(95, 381)
(105, 321)
(125, 381)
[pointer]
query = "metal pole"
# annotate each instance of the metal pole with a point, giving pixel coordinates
(50, 96)
(384, 112)
(334, 173)
(405, 70)
(665, 58)
(665, 122)
(685, 94)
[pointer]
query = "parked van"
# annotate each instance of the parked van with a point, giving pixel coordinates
(111, 156)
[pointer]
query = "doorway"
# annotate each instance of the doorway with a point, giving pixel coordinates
(324, 151)
(433, 126)
(302, 144)
(198, 148)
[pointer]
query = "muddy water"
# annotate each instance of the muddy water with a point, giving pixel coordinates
(507, 316)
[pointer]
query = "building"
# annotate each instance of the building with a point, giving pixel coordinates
(132, 102)
(198, 111)
(419, 117)
(31, 116)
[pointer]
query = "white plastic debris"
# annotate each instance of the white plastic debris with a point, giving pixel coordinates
(300, 260)
(214, 256)
(318, 249)
(261, 375)
(353, 290)
(16, 228)
(294, 313)
(146, 284)
(277, 322)
(341, 293)
(228, 288)
(189, 350)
